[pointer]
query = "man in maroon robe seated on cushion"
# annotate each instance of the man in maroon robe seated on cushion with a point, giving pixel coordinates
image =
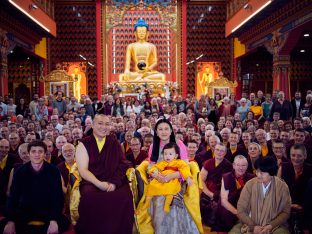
(106, 201)
(232, 185)
(211, 175)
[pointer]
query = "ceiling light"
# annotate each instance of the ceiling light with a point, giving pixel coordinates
(306, 35)
(302, 51)
(252, 15)
(30, 16)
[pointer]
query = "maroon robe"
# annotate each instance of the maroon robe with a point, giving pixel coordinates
(64, 172)
(230, 156)
(213, 183)
(105, 212)
(297, 187)
(203, 156)
(225, 219)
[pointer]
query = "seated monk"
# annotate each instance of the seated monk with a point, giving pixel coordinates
(106, 202)
(232, 185)
(211, 175)
(144, 56)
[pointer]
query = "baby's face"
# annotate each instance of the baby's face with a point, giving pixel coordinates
(170, 154)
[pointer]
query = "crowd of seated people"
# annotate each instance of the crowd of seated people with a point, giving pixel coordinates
(249, 159)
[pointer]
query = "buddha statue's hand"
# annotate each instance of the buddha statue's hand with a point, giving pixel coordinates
(127, 75)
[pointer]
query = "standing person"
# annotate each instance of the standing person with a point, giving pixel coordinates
(21, 108)
(41, 110)
(33, 104)
(297, 104)
(106, 199)
(264, 204)
(243, 109)
(202, 107)
(60, 104)
(266, 106)
(283, 107)
(11, 106)
(36, 199)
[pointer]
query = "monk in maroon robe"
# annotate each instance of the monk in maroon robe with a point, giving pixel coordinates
(106, 204)
(211, 175)
(232, 185)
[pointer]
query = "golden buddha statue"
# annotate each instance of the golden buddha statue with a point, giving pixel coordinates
(144, 56)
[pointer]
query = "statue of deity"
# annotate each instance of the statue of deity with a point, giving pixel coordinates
(144, 56)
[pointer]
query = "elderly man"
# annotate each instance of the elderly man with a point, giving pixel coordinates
(36, 200)
(211, 175)
(266, 149)
(57, 156)
(68, 152)
(231, 187)
(208, 153)
(283, 107)
(264, 203)
(225, 134)
(104, 187)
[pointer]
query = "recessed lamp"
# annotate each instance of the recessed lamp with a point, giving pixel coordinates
(257, 64)
(302, 51)
(306, 35)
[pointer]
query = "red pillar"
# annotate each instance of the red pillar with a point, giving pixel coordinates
(4, 50)
(98, 50)
(184, 48)
(281, 74)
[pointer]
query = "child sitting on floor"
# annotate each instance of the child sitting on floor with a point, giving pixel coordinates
(170, 164)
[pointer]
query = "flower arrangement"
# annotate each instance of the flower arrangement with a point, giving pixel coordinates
(114, 88)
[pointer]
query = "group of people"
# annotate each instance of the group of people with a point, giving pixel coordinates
(227, 165)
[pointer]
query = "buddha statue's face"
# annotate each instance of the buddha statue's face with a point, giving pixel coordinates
(141, 33)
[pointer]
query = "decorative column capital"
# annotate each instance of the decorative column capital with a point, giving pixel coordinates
(4, 44)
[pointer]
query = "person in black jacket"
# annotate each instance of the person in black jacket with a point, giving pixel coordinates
(297, 104)
(282, 106)
(36, 198)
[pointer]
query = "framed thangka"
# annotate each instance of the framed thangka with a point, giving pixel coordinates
(206, 72)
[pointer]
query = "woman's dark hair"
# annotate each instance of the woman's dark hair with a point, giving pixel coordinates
(267, 164)
(156, 139)
(37, 143)
(172, 145)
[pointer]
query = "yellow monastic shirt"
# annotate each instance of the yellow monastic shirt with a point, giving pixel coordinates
(264, 150)
(3, 162)
(233, 150)
(100, 143)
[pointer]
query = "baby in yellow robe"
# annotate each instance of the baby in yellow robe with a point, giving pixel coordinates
(169, 165)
